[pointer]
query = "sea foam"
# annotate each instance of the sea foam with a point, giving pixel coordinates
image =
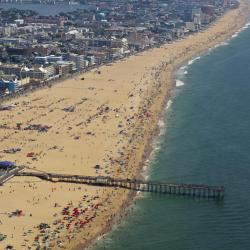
(221, 44)
(235, 34)
(169, 104)
(179, 83)
(246, 26)
(182, 71)
(193, 60)
(183, 67)
(161, 123)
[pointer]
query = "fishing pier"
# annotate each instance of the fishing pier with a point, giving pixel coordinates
(189, 190)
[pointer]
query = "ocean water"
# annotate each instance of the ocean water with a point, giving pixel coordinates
(205, 139)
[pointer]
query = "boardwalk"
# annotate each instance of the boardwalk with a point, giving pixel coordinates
(192, 190)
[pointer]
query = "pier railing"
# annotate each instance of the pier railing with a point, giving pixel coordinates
(191, 190)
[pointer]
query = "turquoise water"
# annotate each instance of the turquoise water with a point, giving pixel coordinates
(207, 140)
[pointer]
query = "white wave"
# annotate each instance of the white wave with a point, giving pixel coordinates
(156, 148)
(217, 46)
(221, 44)
(162, 128)
(235, 34)
(193, 60)
(179, 83)
(156, 143)
(183, 67)
(181, 72)
(161, 123)
(169, 104)
(224, 44)
(246, 26)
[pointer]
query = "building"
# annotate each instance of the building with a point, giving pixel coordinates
(11, 69)
(41, 73)
(208, 9)
(42, 60)
(138, 41)
(190, 26)
(11, 86)
(28, 50)
(64, 67)
(79, 61)
(12, 41)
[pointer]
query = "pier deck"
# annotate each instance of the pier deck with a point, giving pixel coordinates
(7, 175)
(192, 190)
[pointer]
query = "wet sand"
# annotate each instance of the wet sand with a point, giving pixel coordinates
(102, 125)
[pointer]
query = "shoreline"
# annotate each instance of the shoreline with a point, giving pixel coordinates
(149, 149)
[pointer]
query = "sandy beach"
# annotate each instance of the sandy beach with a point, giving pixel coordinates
(99, 123)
